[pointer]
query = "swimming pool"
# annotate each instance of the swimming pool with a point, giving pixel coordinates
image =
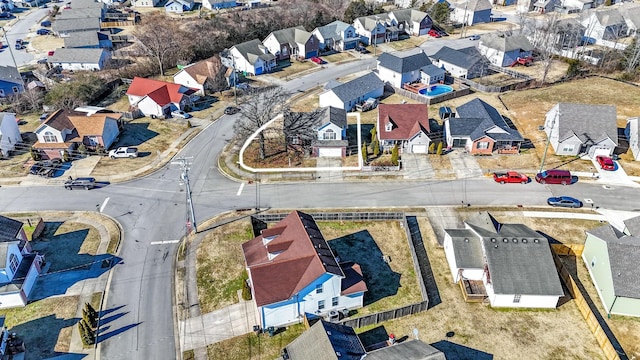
(436, 90)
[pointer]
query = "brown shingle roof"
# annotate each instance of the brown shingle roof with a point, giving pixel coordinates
(205, 69)
(295, 257)
(407, 120)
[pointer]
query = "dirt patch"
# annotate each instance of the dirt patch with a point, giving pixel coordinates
(525, 161)
(339, 57)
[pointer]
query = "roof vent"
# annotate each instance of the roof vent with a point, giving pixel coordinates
(514, 240)
(466, 239)
(338, 354)
(493, 239)
(495, 246)
(328, 332)
(524, 241)
(536, 241)
(505, 240)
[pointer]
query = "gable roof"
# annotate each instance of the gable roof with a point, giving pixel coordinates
(59, 120)
(587, 122)
(161, 92)
(631, 14)
(10, 74)
(478, 119)
(334, 115)
(518, 258)
(407, 120)
(253, 50)
(404, 62)
(609, 16)
(506, 43)
(64, 25)
(624, 255)
(324, 341)
(76, 55)
(292, 36)
(79, 13)
(407, 350)
(358, 87)
(409, 15)
(286, 258)
(78, 123)
(9, 228)
(369, 22)
(432, 70)
(467, 248)
(473, 5)
(464, 58)
(205, 69)
(82, 38)
(333, 30)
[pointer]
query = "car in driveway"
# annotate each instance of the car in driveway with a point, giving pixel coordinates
(124, 152)
(606, 163)
(434, 33)
(231, 110)
(45, 23)
(80, 183)
(317, 60)
(43, 31)
(45, 168)
(474, 37)
(180, 114)
(6, 15)
(564, 201)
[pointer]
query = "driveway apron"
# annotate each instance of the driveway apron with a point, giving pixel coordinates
(464, 164)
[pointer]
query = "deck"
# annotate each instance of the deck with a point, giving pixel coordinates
(473, 290)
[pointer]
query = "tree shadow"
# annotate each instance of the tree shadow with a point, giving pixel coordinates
(365, 136)
(41, 335)
(362, 249)
(453, 351)
(106, 320)
(108, 311)
(135, 134)
(103, 337)
(425, 275)
(371, 339)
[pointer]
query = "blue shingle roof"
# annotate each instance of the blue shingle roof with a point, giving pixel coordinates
(358, 87)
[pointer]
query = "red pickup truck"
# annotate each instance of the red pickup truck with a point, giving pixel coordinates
(510, 177)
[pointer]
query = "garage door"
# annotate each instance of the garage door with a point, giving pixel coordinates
(595, 151)
(311, 54)
(330, 152)
(419, 149)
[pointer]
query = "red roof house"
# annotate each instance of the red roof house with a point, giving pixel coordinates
(157, 98)
(406, 125)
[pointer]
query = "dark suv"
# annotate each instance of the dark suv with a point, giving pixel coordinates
(80, 183)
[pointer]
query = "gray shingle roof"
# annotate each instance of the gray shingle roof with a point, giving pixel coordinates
(407, 350)
(477, 119)
(9, 228)
(608, 17)
(82, 39)
(76, 55)
(87, 4)
(358, 87)
(588, 122)
(473, 5)
(79, 13)
(409, 15)
(432, 70)
(253, 50)
(292, 36)
(333, 30)
(632, 16)
(10, 74)
(404, 62)
(506, 43)
(467, 248)
(464, 58)
(80, 24)
(335, 116)
(324, 340)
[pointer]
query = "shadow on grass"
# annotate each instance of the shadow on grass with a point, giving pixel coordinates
(41, 335)
(135, 134)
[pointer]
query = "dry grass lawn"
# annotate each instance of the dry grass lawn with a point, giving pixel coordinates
(339, 57)
(294, 70)
(67, 244)
(44, 43)
(406, 44)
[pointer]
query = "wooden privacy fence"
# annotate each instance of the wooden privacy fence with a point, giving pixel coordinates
(592, 321)
(569, 249)
(378, 317)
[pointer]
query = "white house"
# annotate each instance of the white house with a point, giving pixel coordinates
(575, 129)
(80, 59)
(398, 69)
(412, 22)
(631, 131)
(178, 6)
(252, 57)
(292, 271)
(219, 4)
(295, 41)
(157, 98)
(9, 133)
(503, 50)
(605, 26)
(205, 75)
(512, 262)
(405, 125)
(347, 95)
(469, 12)
(373, 29)
(331, 140)
(462, 63)
(19, 268)
(337, 35)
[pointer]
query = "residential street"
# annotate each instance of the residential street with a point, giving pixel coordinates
(19, 29)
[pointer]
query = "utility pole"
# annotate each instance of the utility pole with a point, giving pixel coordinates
(184, 176)
(226, 54)
(375, 36)
(546, 148)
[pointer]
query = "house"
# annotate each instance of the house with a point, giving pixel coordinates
(205, 75)
(631, 15)
(398, 69)
(157, 98)
(503, 50)
(338, 36)
(633, 135)
(605, 26)
(80, 58)
(407, 350)
(293, 271)
(331, 138)
(97, 12)
(64, 27)
(575, 129)
(218, 4)
(64, 131)
(569, 33)
(406, 125)
(178, 6)
(295, 41)
(145, 3)
(376, 29)
(88, 40)
(252, 57)
(19, 267)
(432, 74)
(9, 133)
(326, 340)
(471, 12)
(611, 255)
(480, 129)
(545, 6)
(11, 81)
(577, 5)
(347, 95)
(466, 63)
(412, 22)
(512, 262)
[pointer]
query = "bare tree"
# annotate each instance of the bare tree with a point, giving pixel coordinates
(162, 39)
(544, 39)
(632, 56)
(260, 106)
(300, 128)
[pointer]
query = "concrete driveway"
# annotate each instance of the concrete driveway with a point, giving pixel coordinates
(329, 175)
(417, 166)
(464, 164)
(616, 177)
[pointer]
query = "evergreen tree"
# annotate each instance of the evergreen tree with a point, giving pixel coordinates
(92, 315)
(394, 155)
(364, 152)
(432, 148)
(376, 147)
(439, 151)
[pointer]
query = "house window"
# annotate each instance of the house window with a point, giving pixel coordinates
(483, 145)
(319, 289)
(15, 89)
(388, 126)
(1, 92)
(334, 301)
(13, 263)
(49, 137)
(568, 147)
(329, 135)
(320, 305)
(516, 298)
(593, 261)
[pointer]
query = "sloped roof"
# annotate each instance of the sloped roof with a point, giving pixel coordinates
(10, 74)
(333, 30)
(59, 120)
(353, 281)
(82, 38)
(253, 50)
(407, 350)
(72, 13)
(609, 16)
(76, 24)
(473, 5)
(92, 124)
(335, 116)
(9, 228)
(404, 62)
(76, 55)
(432, 70)
(464, 58)
(292, 36)
(324, 340)
(161, 92)
(407, 120)
(632, 15)
(506, 43)
(477, 119)
(588, 122)
(409, 15)
(299, 255)
(467, 248)
(205, 69)
(358, 87)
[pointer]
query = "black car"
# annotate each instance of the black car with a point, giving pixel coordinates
(45, 23)
(564, 201)
(80, 183)
(43, 32)
(45, 168)
(6, 15)
(231, 110)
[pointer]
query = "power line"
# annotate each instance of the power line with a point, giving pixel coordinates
(184, 176)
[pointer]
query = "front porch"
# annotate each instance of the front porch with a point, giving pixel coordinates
(472, 290)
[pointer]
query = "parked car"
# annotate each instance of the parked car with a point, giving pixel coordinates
(362, 50)
(50, 53)
(433, 33)
(510, 177)
(46, 23)
(124, 152)
(6, 15)
(554, 177)
(564, 201)
(474, 37)
(230, 110)
(45, 168)
(43, 32)
(180, 114)
(42, 61)
(19, 44)
(606, 163)
(318, 60)
(80, 183)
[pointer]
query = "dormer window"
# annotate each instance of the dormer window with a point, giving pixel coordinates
(272, 255)
(388, 127)
(267, 239)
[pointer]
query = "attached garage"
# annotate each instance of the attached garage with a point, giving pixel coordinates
(419, 149)
(311, 54)
(258, 71)
(330, 152)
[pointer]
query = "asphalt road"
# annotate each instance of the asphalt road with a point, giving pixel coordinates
(152, 212)
(19, 30)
